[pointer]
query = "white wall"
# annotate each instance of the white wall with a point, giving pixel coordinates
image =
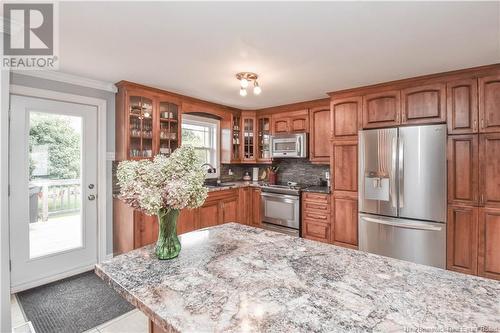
(39, 83)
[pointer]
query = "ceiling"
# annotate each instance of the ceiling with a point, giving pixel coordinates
(300, 50)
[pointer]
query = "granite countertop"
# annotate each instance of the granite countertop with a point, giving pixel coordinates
(234, 184)
(236, 278)
(317, 189)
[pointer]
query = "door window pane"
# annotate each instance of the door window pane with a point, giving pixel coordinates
(55, 200)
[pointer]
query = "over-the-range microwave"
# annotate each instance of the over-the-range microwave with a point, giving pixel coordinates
(289, 145)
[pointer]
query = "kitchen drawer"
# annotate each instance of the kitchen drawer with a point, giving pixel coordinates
(316, 216)
(316, 231)
(316, 206)
(316, 197)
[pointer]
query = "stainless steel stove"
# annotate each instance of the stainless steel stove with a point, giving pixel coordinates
(281, 207)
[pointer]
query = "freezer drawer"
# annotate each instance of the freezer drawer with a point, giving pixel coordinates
(420, 242)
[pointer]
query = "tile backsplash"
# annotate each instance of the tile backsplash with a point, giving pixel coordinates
(296, 170)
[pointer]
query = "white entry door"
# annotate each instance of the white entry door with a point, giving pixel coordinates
(53, 189)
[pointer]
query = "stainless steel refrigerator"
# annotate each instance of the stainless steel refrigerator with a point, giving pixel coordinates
(402, 193)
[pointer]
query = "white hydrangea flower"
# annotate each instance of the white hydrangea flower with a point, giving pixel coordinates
(174, 182)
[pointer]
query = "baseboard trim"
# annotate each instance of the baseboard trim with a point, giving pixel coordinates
(41, 282)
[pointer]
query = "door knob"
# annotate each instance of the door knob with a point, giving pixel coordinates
(91, 186)
(91, 197)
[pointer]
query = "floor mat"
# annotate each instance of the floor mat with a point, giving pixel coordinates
(72, 305)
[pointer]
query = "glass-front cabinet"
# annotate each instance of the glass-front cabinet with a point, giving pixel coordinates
(235, 137)
(248, 148)
(140, 129)
(147, 123)
(263, 138)
(169, 127)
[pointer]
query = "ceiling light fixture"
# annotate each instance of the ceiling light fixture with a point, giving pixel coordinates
(245, 78)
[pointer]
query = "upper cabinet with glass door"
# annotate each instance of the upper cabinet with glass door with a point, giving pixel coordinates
(249, 140)
(169, 126)
(263, 137)
(140, 129)
(147, 122)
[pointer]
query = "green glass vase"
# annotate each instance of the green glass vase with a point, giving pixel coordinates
(168, 245)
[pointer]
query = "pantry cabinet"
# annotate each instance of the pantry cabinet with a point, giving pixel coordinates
(462, 239)
(345, 117)
(489, 103)
(489, 169)
(489, 243)
(462, 106)
(463, 178)
(319, 143)
(344, 166)
(345, 220)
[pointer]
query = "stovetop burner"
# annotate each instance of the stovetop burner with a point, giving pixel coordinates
(289, 188)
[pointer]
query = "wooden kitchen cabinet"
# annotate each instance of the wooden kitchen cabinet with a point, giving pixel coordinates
(250, 210)
(263, 139)
(463, 177)
(280, 126)
(462, 239)
(316, 221)
(188, 221)
(147, 122)
(489, 103)
(424, 104)
(319, 143)
(256, 207)
(462, 106)
(249, 134)
(345, 220)
(131, 228)
(489, 169)
(344, 165)
(230, 209)
(382, 109)
(345, 118)
(300, 123)
(290, 122)
(210, 214)
(489, 243)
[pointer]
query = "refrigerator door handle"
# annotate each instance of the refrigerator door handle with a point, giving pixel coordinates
(394, 201)
(402, 224)
(401, 172)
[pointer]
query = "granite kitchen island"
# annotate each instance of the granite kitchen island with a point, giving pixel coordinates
(235, 278)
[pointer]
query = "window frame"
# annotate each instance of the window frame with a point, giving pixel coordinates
(215, 149)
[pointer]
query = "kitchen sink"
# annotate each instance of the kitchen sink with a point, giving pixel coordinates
(215, 185)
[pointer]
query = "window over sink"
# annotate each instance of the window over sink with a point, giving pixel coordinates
(203, 134)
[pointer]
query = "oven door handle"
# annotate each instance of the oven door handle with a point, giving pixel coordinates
(280, 196)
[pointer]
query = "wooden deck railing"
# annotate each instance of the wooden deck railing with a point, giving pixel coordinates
(57, 196)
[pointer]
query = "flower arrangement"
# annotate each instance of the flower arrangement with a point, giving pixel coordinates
(163, 186)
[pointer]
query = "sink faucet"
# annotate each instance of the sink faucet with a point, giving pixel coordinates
(210, 169)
